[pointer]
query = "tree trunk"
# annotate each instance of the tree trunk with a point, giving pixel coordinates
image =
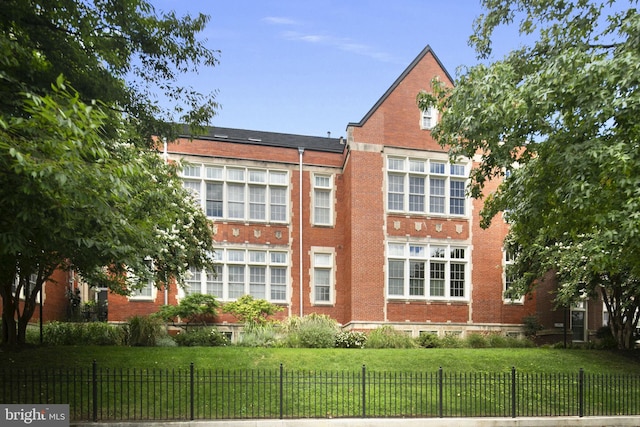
(9, 336)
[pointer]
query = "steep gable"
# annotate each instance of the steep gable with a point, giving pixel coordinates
(394, 120)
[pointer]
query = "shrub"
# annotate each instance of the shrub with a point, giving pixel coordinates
(428, 341)
(249, 310)
(194, 308)
(498, 341)
(255, 335)
(452, 341)
(476, 340)
(351, 339)
(531, 326)
(312, 331)
(201, 337)
(66, 333)
(606, 340)
(387, 336)
(144, 331)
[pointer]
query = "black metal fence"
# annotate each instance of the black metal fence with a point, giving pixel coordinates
(104, 394)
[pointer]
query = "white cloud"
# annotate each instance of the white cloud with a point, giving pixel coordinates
(343, 44)
(280, 20)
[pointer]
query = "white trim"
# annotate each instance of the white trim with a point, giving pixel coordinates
(329, 254)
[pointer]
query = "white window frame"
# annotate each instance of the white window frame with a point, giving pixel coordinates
(240, 262)
(508, 259)
(428, 118)
(405, 195)
(322, 185)
(323, 261)
(31, 284)
(149, 292)
(430, 255)
(239, 193)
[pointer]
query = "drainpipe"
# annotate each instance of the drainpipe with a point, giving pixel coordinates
(300, 152)
(165, 156)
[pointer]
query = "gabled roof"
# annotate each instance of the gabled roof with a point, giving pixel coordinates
(395, 84)
(271, 139)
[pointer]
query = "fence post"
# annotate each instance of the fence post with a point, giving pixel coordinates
(440, 379)
(191, 392)
(581, 393)
(364, 391)
(94, 383)
(281, 392)
(513, 392)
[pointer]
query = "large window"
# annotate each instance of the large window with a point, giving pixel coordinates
(323, 289)
(426, 186)
(260, 273)
(239, 193)
(322, 200)
(433, 271)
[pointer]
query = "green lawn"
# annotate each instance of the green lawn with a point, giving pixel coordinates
(529, 360)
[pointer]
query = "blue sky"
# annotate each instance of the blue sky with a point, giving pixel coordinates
(310, 67)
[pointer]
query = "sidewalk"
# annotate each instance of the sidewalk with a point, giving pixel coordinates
(622, 421)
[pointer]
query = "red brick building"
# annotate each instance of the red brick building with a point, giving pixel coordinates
(373, 228)
(369, 229)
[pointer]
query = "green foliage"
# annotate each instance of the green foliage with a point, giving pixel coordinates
(452, 341)
(476, 340)
(311, 331)
(82, 184)
(247, 309)
(144, 331)
(201, 337)
(428, 341)
(260, 335)
(351, 339)
(560, 114)
(531, 326)
(387, 336)
(66, 333)
(42, 39)
(193, 308)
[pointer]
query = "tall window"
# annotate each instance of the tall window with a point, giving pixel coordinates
(420, 271)
(239, 193)
(148, 290)
(260, 273)
(322, 277)
(322, 200)
(426, 186)
(508, 277)
(28, 288)
(428, 118)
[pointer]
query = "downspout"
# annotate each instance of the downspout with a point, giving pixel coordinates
(300, 152)
(165, 156)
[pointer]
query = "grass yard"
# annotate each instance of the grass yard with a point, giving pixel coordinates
(529, 360)
(156, 383)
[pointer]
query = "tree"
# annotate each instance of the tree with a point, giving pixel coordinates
(81, 184)
(557, 119)
(121, 52)
(75, 198)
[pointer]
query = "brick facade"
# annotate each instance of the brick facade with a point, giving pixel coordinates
(363, 230)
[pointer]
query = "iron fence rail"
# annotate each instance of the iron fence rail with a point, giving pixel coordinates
(107, 394)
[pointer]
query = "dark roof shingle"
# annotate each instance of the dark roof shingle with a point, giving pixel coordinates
(272, 139)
